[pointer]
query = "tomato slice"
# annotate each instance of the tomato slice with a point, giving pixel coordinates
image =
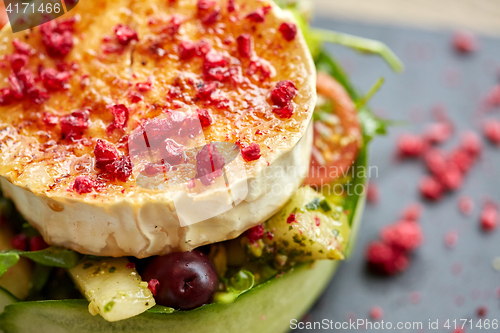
(337, 134)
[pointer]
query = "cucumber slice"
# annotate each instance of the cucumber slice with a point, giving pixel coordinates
(6, 298)
(268, 307)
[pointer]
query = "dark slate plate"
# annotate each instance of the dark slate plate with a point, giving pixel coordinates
(434, 75)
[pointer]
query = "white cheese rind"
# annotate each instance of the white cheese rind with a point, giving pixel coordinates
(142, 227)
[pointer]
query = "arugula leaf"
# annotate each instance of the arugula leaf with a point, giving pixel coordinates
(7, 260)
(240, 283)
(359, 44)
(371, 124)
(52, 256)
(368, 96)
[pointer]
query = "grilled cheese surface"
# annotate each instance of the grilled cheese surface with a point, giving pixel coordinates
(153, 78)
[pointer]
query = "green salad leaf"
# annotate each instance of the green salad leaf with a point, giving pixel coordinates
(7, 260)
(53, 256)
(240, 283)
(160, 309)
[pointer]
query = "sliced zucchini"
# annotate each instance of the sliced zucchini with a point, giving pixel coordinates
(269, 307)
(114, 291)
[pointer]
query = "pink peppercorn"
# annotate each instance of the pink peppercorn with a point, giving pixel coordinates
(471, 143)
(105, 153)
(130, 265)
(288, 30)
(120, 169)
(466, 205)
(20, 242)
(54, 80)
(83, 184)
(18, 61)
(412, 212)
(212, 17)
(464, 42)
(120, 113)
(489, 218)
(285, 112)
(244, 45)
(410, 145)
(436, 161)
(206, 4)
(215, 66)
(283, 93)
(462, 160)
(482, 311)
(57, 37)
(376, 313)
(204, 92)
(492, 99)
(251, 152)
(438, 133)
(16, 86)
(6, 96)
(255, 233)
(135, 97)
(451, 238)
(37, 95)
(403, 235)
(37, 244)
(187, 50)
(74, 124)
(205, 118)
(153, 285)
(26, 78)
(257, 16)
(22, 48)
(431, 188)
(386, 260)
(49, 119)
(451, 178)
(144, 86)
(491, 131)
(317, 221)
(125, 34)
(291, 219)
(174, 24)
(231, 6)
